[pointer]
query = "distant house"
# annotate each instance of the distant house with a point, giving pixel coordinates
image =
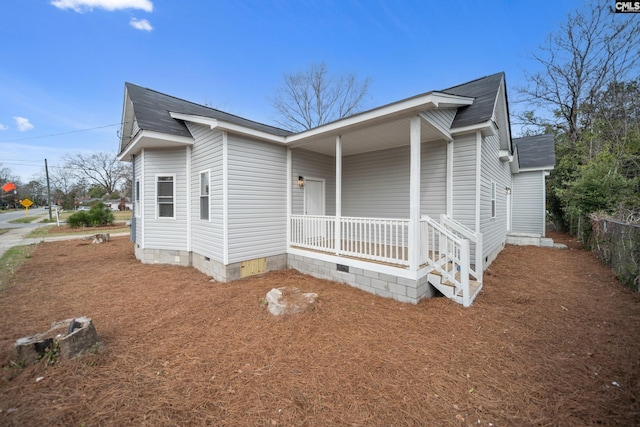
(399, 201)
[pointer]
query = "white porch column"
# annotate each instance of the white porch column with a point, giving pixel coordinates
(337, 231)
(414, 196)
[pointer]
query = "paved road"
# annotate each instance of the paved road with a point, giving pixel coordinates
(17, 235)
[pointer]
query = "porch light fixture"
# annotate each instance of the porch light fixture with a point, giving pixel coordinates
(300, 181)
(507, 190)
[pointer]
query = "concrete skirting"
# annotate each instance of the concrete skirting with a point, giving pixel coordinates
(162, 256)
(227, 273)
(525, 239)
(386, 285)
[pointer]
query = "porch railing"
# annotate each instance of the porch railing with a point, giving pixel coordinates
(376, 239)
(315, 232)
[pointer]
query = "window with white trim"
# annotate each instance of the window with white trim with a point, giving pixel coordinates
(204, 195)
(165, 190)
(493, 199)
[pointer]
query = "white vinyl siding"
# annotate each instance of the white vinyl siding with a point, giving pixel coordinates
(433, 178)
(441, 118)
(376, 184)
(308, 164)
(165, 233)
(207, 236)
(139, 208)
(257, 201)
(493, 228)
(464, 180)
(528, 203)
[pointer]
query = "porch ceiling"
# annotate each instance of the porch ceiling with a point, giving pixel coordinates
(389, 134)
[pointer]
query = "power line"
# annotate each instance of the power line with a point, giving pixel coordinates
(62, 133)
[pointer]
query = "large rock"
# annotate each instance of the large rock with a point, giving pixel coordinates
(290, 300)
(67, 339)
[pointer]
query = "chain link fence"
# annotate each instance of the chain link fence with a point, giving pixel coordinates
(616, 242)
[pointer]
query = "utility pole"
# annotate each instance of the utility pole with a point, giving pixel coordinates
(46, 170)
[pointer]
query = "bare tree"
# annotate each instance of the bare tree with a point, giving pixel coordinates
(312, 97)
(593, 49)
(102, 169)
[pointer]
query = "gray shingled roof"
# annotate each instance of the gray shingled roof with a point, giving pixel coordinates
(484, 90)
(152, 108)
(536, 152)
(152, 113)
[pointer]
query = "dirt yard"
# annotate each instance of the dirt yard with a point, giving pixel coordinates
(553, 339)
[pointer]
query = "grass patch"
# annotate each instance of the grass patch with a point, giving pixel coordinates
(24, 220)
(4, 230)
(11, 261)
(65, 230)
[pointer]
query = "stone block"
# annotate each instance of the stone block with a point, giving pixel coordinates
(66, 339)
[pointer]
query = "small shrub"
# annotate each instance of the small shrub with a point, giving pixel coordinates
(78, 219)
(98, 215)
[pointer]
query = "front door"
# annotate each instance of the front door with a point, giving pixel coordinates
(316, 231)
(313, 196)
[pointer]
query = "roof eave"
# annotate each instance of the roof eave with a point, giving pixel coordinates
(401, 108)
(229, 127)
(487, 128)
(151, 139)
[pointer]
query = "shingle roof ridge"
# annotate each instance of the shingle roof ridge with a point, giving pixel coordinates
(502, 73)
(204, 106)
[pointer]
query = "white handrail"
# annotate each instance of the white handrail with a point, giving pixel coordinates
(446, 253)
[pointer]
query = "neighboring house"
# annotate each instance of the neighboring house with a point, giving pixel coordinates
(534, 160)
(396, 200)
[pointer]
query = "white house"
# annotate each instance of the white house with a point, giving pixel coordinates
(398, 200)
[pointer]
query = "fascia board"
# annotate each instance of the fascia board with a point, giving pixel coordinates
(487, 128)
(143, 136)
(416, 104)
(541, 168)
(229, 127)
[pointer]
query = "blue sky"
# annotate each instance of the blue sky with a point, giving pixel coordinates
(63, 63)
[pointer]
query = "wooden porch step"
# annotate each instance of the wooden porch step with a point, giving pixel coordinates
(474, 285)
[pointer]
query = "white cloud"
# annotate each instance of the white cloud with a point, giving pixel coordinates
(3, 127)
(81, 6)
(23, 124)
(141, 24)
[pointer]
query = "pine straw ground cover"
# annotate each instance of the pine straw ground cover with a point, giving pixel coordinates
(552, 340)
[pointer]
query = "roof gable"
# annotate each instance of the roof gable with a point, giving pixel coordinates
(484, 90)
(152, 112)
(536, 152)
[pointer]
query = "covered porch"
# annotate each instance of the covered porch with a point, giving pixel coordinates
(355, 229)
